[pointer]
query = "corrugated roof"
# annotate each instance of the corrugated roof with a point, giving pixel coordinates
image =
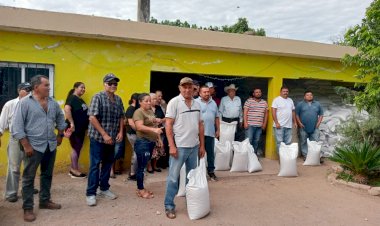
(66, 24)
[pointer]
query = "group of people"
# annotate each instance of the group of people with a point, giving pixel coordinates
(186, 127)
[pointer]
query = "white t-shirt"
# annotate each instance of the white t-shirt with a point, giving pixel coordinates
(186, 121)
(284, 108)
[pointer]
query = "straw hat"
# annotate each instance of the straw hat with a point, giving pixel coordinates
(232, 86)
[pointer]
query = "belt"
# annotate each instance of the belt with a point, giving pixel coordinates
(229, 120)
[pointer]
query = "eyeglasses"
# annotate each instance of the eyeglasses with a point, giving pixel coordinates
(112, 83)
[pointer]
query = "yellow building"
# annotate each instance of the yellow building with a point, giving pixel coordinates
(70, 48)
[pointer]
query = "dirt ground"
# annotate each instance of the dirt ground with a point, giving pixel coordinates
(237, 199)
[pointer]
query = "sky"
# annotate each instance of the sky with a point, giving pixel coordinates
(310, 20)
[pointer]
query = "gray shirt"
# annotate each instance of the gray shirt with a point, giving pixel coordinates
(32, 122)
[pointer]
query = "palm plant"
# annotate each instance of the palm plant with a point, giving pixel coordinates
(361, 159)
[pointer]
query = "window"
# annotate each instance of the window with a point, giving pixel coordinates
(12, 74)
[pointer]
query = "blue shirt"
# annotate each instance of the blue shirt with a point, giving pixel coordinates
(209, 112)
(231, 108)
(31, 121)
(309, 112)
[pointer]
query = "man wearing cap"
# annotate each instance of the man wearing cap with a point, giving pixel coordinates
(34, 123)
(213, 92)
(106, 113)
(196, 87)
(185, 134)
(15, 155)
(230, 106)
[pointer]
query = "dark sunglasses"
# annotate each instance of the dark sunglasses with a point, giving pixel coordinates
(112, 83)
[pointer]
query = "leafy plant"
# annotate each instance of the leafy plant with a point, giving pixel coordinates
(361, 159)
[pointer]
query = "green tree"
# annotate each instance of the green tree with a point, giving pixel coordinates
(241, 26)
(365, 37)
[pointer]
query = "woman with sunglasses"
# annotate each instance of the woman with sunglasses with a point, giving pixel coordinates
(147, 135)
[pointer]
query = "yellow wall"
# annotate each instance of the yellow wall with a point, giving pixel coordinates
(87, 60)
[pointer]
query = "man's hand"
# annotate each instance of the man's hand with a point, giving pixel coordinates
(59, 139)
(28, 151)
(263, 127)
(72, 127)
(295, 125)
(202, 152)
(107, 139)
(217, 134)
(173, 151)
(278, 126)
(245, 125)
(119, 137)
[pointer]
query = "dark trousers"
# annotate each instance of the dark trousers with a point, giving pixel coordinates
(209, 146)
(46, 160)
(143, 149)
(99, 177)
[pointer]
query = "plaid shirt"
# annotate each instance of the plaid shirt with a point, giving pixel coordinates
(108, 115)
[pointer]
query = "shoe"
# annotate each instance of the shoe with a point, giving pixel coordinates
(29, 215)
(144, 194)
(113, 176)
(12, 199)
(73, 175)
(150, 171)
(91, 200)
(50, 205)
(35, 191)
(212, 177)
(118, 172)
(132, 177)
(157, 170)
(107, 194)
(304, 158)
(170, 213)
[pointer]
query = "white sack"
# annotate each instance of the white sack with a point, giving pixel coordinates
(288, 160)
(313, 153)
(182, 182)
(240, 159)
(223, 153)
(227, 131)
(197, 194)
(253, 162)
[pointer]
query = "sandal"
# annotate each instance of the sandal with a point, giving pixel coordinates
(145, 194)
(170, 213)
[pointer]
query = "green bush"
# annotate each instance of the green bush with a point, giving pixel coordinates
(361, 159)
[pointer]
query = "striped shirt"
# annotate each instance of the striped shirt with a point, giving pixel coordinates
(108, 114)
(31, 121)
(256, 111)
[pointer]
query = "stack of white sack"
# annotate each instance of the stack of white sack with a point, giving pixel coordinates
(288, 160)
(197, 193)
(244, 158)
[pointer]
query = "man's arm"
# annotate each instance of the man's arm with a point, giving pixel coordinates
(294, 118)
(217, 125)
(245, 116)
(274, 116)
(18, 131)
(170, 137)
(265, 122)
(202, 149)
(119, 136)
(95, 123)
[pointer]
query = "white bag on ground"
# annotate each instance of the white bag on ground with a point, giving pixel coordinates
(253, 162)
(288, 160)
(227, 131)
(240, 159)
(182, 182)
(313, 153)
(223, 154)
(197, 194)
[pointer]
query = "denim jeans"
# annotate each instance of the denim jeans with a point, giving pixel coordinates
(254, 134)
(185, 155)
(132, 139)
(15, 156)
(46, 160)
(104, 154)
(314, 136)
(209, 146)
(282, 135)
(143, 149)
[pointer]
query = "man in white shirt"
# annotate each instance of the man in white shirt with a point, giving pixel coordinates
(15, 155)
(283, 117)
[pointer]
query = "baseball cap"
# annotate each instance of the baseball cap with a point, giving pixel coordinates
(210, 84)
(185, 80)
(25, 86)
(109, 77)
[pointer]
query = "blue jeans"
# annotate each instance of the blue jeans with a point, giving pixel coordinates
(143, 149)
(104, 154)
(282, 135)
(314, 136)
(46, 162)
(185, 155)
(254, 134)
(209, 146)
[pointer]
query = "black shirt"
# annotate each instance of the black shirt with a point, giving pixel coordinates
(129, 115)
(79, 113)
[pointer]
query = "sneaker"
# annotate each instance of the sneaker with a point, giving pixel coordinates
(12, 199)
(132, 177)
(107, 194)
(170, 213)
(35, 191)
(29, 215)
(91, 200)
(212, 177)
(50, 205)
